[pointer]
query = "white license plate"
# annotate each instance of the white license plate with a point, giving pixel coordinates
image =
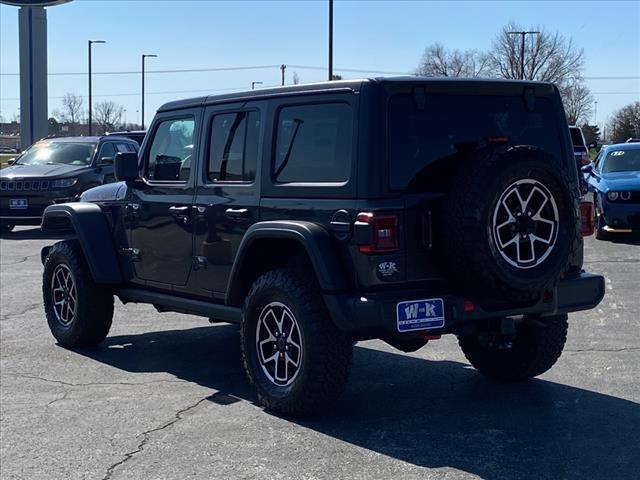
(18, 203)
(420, 314)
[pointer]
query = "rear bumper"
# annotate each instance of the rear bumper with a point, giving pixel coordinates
(376, 314)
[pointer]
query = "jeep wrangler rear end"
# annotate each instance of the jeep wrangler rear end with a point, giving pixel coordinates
(319, 215)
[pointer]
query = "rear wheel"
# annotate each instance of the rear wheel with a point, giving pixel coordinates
(293, 354)
(532, 350)
(79, 311)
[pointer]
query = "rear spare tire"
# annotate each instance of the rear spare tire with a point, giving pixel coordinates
(510, 222)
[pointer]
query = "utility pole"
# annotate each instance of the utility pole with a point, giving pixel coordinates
(522, 35)
(595, 114)
(330, 40)
(283, 67)
(91, 42)
(143, 57)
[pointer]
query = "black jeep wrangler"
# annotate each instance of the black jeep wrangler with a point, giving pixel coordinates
(319, 215)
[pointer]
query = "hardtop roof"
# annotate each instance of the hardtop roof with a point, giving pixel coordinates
(337, 85)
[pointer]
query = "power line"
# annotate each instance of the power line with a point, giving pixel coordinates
(263, 67)
(134, 94)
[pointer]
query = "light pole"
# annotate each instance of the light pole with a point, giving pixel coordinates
(283, 67)
(125, 118)
(330, 40)
(522, 35)
(91, 42)
(253, 85)
(143, 57)
(595, 114)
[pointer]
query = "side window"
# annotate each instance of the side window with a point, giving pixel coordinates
(124, 147)
(171, 151)
(233, 147)
(598, 160)
(107, 150)
(314, 143)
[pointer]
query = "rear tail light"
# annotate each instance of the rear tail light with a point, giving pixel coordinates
(584, 159)
(383, 233)
(586, 219)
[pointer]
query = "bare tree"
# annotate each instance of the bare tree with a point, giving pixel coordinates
(296, 78)
(548, 56)
(578, 101)
(71, 108)
(108, 114)
(625, 123)
(437, 61)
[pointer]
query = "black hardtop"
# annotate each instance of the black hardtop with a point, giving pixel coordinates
(439, 84)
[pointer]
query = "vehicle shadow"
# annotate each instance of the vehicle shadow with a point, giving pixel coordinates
(31, 233)
(428, 413)
(626, 238)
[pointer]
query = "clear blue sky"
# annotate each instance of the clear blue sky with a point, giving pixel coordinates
(377, 35)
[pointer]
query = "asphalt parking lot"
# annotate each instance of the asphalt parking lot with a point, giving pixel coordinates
(165, 397)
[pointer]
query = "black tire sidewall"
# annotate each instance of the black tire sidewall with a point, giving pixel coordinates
(544, 274)
(94, 309)
(254, 307)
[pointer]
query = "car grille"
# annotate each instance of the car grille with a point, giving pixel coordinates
(24, 185)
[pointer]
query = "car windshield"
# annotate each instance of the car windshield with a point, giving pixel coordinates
(58, 153)
(622, 161)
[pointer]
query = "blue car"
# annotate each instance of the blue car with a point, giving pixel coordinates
(614, 178)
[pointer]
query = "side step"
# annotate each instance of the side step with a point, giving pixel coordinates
(171, 303)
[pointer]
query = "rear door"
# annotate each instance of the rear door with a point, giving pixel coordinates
(160, 205)
(228, 194)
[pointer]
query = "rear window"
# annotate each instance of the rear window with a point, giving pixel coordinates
(420, 138)
(314, 144)
(576, 137)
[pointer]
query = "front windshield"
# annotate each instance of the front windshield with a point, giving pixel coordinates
(622, 161)
(58, 153)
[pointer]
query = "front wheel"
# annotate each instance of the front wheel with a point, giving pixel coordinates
(532, 350)
(79, 311)
(293, 354)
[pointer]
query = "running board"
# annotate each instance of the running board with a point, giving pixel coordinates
(172, 303)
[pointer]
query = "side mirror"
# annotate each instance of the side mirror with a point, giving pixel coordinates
(105, 161)
(587, 168)
(126, 166)
(11, 162)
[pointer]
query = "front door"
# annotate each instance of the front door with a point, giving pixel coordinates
(227, 198)
(160, 205)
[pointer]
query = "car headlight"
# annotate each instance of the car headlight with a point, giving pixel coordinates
(64, 182)
(625, 196)
(613, 196)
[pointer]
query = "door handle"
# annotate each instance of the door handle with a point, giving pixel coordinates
(181, 213)
(237, 212)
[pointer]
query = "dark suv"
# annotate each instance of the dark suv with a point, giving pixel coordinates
(319, 215)
(55, 170)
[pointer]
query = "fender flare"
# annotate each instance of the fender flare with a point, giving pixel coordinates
(316, 241)
(91, 228)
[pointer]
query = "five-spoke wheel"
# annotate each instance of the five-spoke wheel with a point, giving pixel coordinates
(63, 294)
(525, 223)
(279, 343)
